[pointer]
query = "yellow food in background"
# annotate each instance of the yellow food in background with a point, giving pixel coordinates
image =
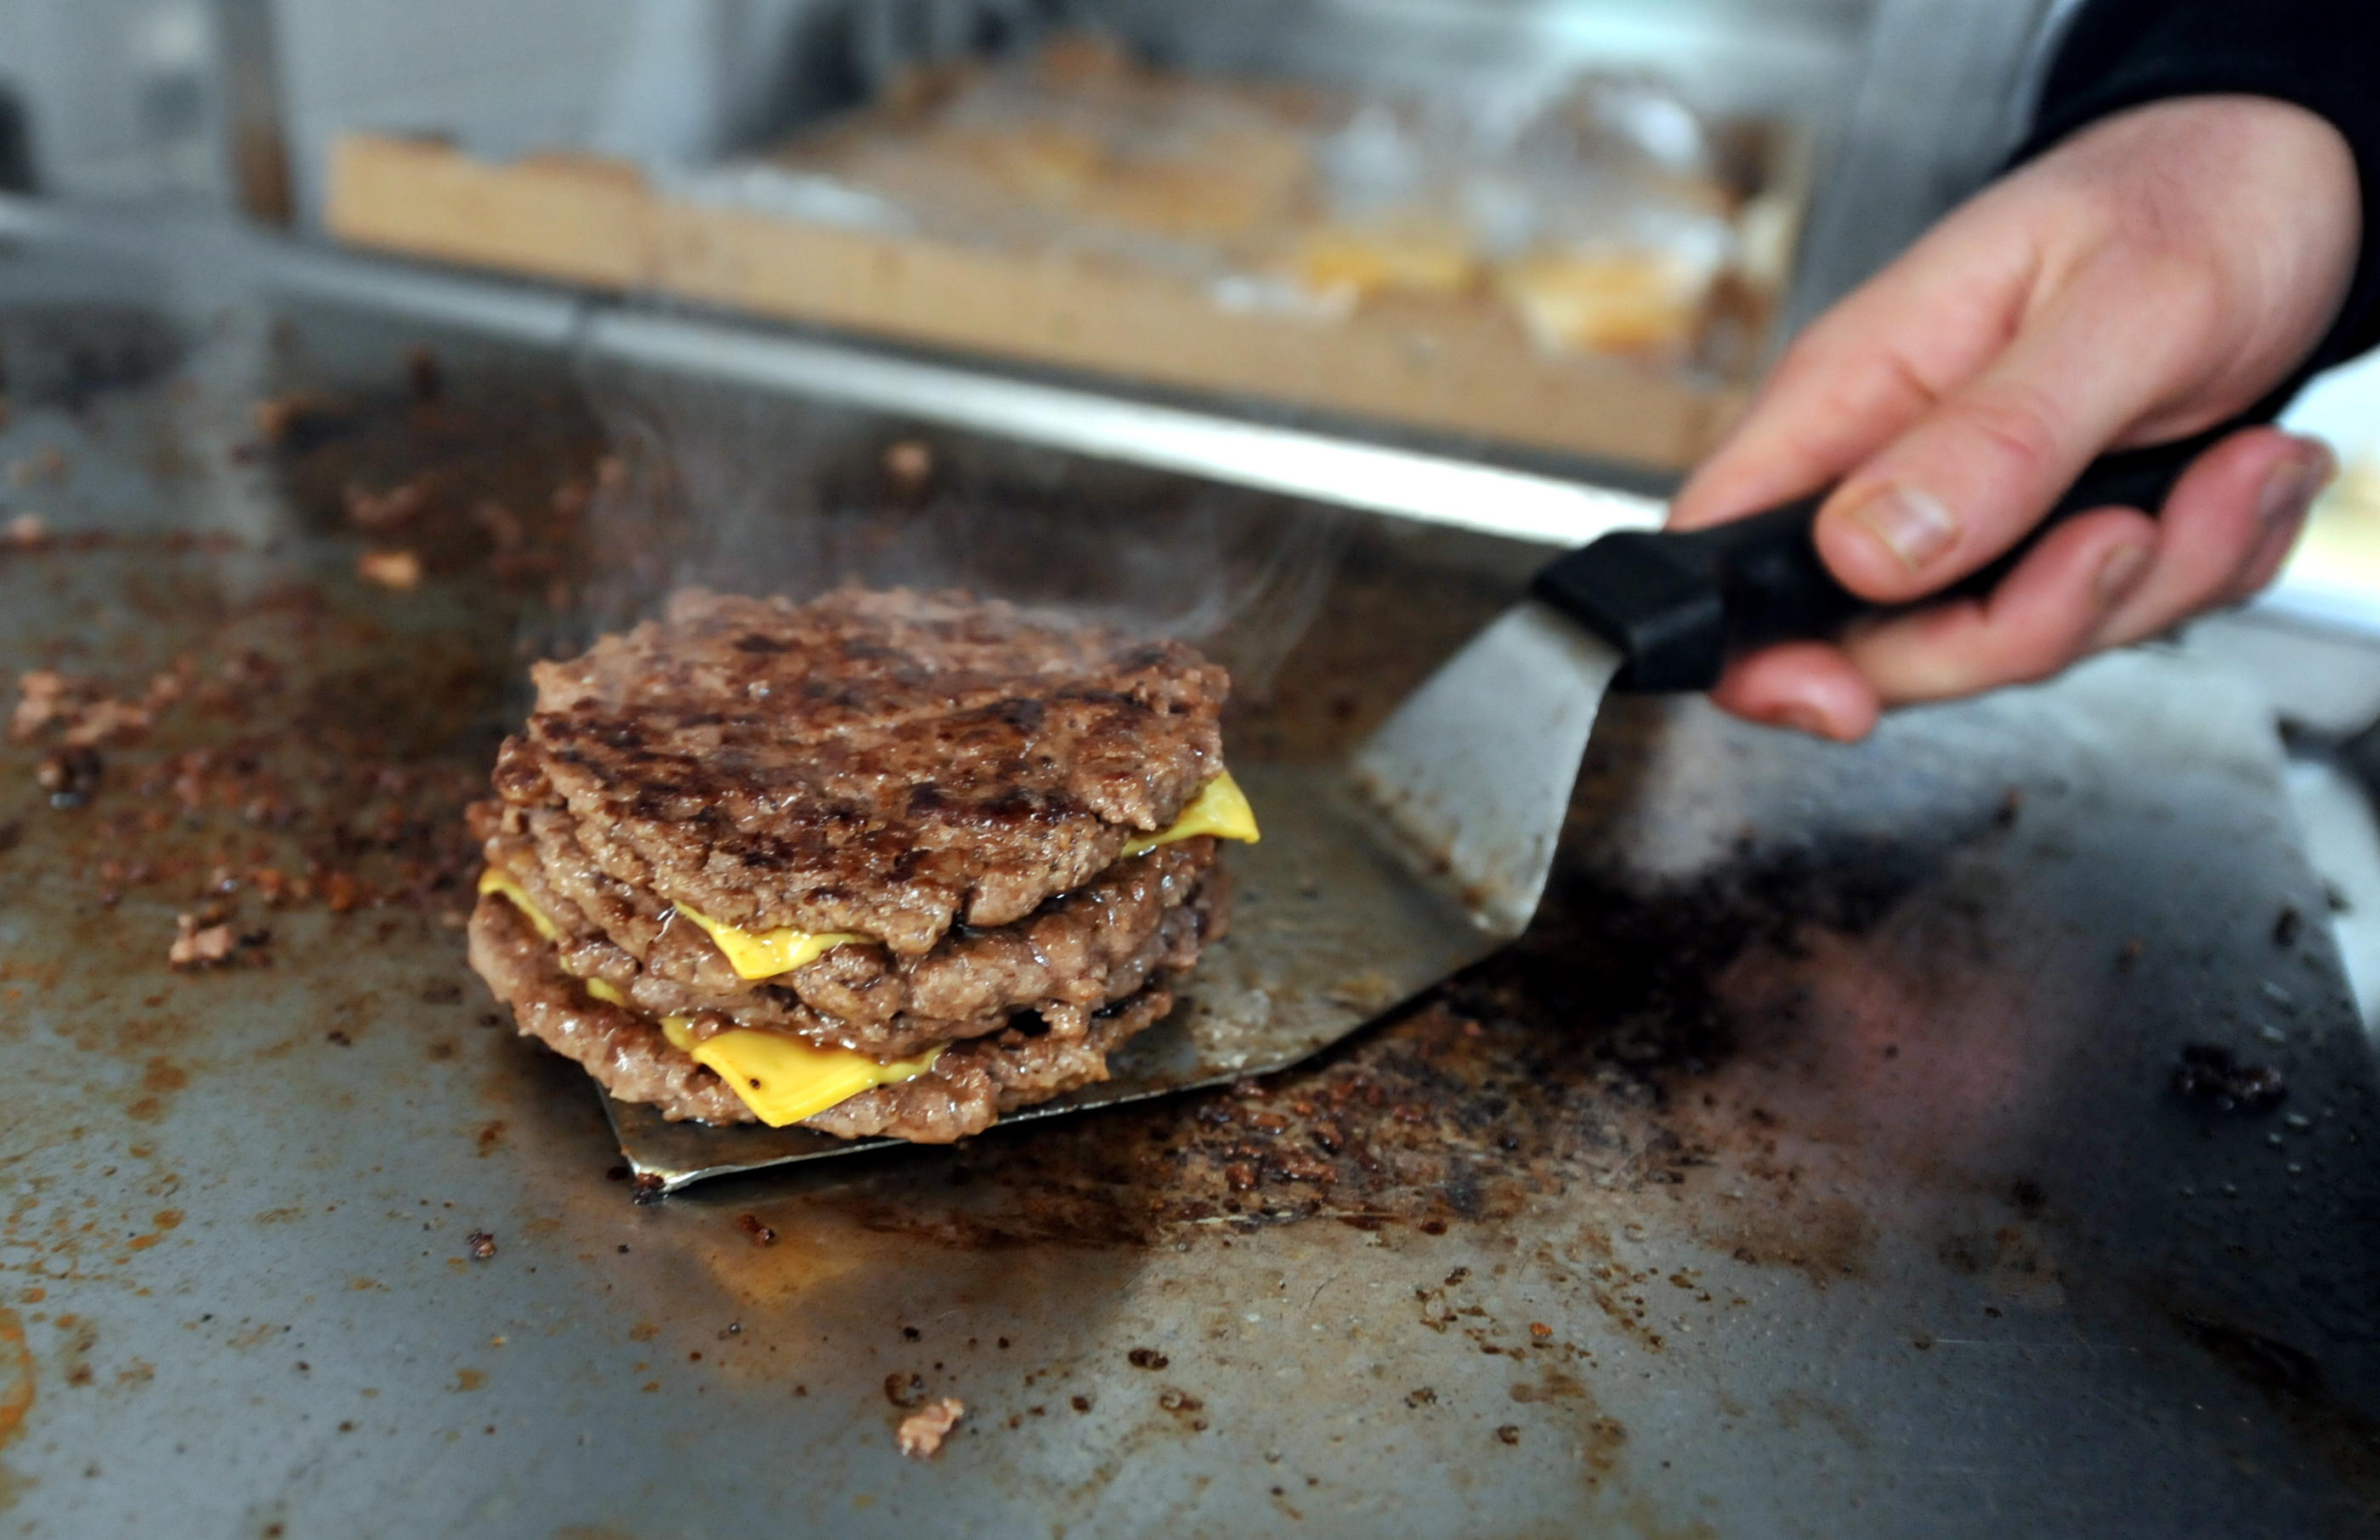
(1364, 263)
(1621, 303)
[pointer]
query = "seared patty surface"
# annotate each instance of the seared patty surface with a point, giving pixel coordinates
(884, 763)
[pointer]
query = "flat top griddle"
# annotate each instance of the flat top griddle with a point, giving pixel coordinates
(1814, 1167)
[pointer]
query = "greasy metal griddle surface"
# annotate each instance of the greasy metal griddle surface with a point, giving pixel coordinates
(1813, 1167)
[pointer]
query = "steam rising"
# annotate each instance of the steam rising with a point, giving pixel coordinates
(729, 489)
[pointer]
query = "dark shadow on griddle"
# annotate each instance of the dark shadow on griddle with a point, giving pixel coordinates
(68, 353)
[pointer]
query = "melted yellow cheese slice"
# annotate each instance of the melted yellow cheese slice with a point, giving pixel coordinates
(767, 953)
(784, 1080)
(494, 881)
(1221, 808)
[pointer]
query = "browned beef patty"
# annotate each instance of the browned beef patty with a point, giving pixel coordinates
(966, 1091)
(1075, 953)
(888, 763)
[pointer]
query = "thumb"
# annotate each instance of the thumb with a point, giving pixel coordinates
(1973, 476)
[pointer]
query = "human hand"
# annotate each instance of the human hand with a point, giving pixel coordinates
(2151, 276)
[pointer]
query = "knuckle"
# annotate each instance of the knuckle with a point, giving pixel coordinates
(2018, 422)
(2183, 290)
(1856, 384)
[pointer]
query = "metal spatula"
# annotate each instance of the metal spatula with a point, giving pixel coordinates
(1431, 848)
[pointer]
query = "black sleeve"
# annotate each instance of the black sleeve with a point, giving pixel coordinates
(2321, 55)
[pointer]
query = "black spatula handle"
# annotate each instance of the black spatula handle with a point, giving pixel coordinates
(1678, 605)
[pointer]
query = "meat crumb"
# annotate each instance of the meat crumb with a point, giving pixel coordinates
(761, 1233)
(400, 570)
(88, 715)
(480, 1244)
(295, 416)
(2208, 1072)
(921, 1433)
(424, 379)
(197, 946)
(69, 775)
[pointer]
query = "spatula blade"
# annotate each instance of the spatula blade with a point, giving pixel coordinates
(1340, 916)
(1476, 769)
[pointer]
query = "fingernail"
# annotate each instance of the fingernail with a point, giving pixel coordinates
(1913, 524)
(2293, 485)
(2120, 572)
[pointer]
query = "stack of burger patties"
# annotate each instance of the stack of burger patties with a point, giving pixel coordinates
(885, 862)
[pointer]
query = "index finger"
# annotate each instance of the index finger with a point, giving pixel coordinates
(1866, 370)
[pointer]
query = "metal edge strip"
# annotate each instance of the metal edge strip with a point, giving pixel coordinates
(1429, 488)
(1378, 479)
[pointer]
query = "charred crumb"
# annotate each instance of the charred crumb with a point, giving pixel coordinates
(480, 1244)
(1508, 1434)
(300, 420)
(759, 1234)
(2210, 1073)
(424, 379)
(1147, 1358)
(2286, 926)
(647, 1188)
(616, 1174)
(2011, 806)
(70, 775)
